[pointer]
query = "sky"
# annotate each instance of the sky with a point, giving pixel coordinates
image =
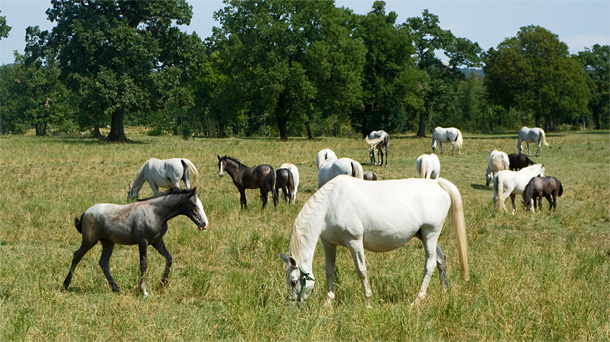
(578, 23)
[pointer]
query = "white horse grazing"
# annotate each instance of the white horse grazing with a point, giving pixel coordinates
(451, 135)
(531, 135)
(511, 183)
(295, 176)
(377, 216)
(377, 140)
(330, 167)
(428, 166)
(498, 161)
(163, 173)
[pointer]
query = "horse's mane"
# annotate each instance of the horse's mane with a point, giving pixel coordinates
(171, 191)
(303, 223)
(233, 159)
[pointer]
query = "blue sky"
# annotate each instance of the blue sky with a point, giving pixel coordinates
(579, 24)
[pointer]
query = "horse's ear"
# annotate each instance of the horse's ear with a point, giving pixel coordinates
(193, 192)
(218, 157)
(285, 258)
(289, 260)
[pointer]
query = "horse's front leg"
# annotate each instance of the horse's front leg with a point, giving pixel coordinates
(357, 250)
(529, 153)
(154, 187)
(330, 253)
(160, 247)
(242, 198)
(143, 246)
(512, 200)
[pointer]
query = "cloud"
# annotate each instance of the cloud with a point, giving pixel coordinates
(580, 41)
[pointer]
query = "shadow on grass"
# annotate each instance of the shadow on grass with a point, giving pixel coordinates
(480, 187)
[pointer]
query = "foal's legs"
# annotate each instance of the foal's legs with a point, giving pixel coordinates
(78, 255)
(357, 250)
(142, 247)
(160, 246)
(108, 247)
(330, 253)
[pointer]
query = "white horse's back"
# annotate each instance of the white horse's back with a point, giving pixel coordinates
(497, 161)
(428, 166)
(511, 183)
(531, 135)
(163, 173)
(330, 167)
(451, 135)
(295, 177)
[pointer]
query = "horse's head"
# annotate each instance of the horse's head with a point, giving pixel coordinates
(299, 282)
(222, 162)
(541, 174)
(488, 177)
(195, 210)
(433, 145)
(130, 193)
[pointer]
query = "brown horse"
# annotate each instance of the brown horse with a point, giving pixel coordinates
(539, 187)
(518, 161)
(284, 181)
(259, 177)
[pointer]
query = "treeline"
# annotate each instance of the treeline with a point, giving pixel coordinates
(289, 68)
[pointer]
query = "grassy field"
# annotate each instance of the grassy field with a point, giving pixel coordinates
(533, 276)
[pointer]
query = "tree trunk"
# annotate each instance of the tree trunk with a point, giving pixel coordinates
(282, 124)
(117, 130)
(308, 128)
(421, 132)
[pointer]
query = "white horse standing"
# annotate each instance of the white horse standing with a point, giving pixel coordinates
(163, 173)
(377, 140)
(451, 135)
(511, 183)
(330, 167)
(498, 161)
(428, 166)
(295, 176)
(531, 135)
(377, 216)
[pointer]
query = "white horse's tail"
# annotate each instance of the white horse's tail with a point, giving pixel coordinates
(423, 167)
(543, 138)
(357, 170)
(499, 190)
(459, 141)
(190, 171)
(459, 224)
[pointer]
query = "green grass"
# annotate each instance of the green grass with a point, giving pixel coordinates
(533, 277)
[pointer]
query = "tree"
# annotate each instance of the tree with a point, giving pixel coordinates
(390, 77)
(533, 72)
(4, 28)
(596, 63)
(119, 56)
(291, 60)
(443, 78)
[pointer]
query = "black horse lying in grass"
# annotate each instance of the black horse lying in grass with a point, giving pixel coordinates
(142, 223)
(539, 187)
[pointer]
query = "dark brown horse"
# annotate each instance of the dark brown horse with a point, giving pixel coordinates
(285, 181)
(259, 177)
(518, 161)
(539, 187)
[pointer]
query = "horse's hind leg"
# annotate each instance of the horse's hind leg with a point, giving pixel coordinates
(160, 246)
(429, 240)
(264, 196)
(441, 266)
(78, 255)
(108, 247)
(142, 247)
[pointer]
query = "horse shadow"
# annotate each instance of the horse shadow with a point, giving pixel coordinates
(480, 187)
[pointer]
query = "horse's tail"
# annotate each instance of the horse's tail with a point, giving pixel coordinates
(459, 224)
(528, 193)
(79, 223)
(560, 188)
(458, 140)
(190, 171)
(498, 186)
(543, 138)
(357, 170)
(290, 185)
(270, 184)
(423, 167)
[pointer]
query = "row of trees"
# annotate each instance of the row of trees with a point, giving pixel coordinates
(289, 68)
